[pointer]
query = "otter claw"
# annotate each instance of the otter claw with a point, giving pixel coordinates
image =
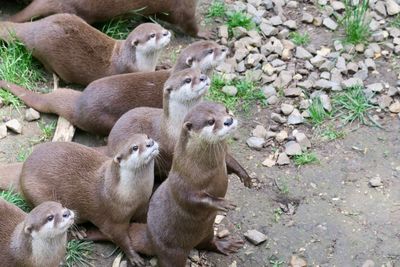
(228, 245)
(226, 205)
(206, 34)
(136, 261)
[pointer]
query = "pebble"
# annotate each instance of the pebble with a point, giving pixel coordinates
(302, 53)
(3, 131)
(384, 101)
(277, 118)
(337, 6)
(272, 100)
(31, 115)
(307, 18)
(352, 82)
(368, 263)
(255, 143)
(219, 218)
(14, 125)
(395, 107)
(303, 140)
(375, 87)
(223, 31)
(229, 90)
(295, 117)
(269, 162)
(292, 148)
(292, 92)
(269, 91)
(281, 136)
(286, 109)
(330, 24)
(283, 159)
(375, 182)
(296, 261)
(392, 7)
(268, 30)
(255, 237)
(259, 131)
(223, 233)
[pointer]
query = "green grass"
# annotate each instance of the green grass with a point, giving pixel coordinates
(355, 22)
(299, 38)
(217, 9)
(118, 28)
(352, 105)
(10, 99)
(305, 158)
(317, 112)
(18, 66)
(277, 214)
(395, 22)
(15, 199)
(239, 19)
(47, 129)
(248, 93)
(23, 153)
(331, 134)
(79, 253)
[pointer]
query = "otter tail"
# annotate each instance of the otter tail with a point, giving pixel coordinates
(60, 102)
(9, 176)
(8, 31)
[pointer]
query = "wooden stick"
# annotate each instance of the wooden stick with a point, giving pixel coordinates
(65, 130)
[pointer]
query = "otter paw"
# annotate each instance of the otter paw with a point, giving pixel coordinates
(206, 34)
(246, 180)
(136, 260)
(228, 245)
(78, 232)
(225, 205)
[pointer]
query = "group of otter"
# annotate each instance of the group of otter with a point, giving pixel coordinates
(157, 186)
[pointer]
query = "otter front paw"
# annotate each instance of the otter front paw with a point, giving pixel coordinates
(228, 245)
(136, 260)
(224, 205)
(206, 34)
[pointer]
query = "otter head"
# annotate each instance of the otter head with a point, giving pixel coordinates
(140, 151)
(48, 220)
(209, 122)
(205, 55)
(186, 86)
(149, 38)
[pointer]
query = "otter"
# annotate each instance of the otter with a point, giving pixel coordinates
(107, 192)
(9, 176)
(181, 13)
(36, 239)
(80, 54)
(182, 210)
(104, 101)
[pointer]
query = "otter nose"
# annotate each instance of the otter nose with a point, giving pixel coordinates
(224, 49)
(66, 213)
(166, 33)
(150, 143)
(203, 77)
(228, 122)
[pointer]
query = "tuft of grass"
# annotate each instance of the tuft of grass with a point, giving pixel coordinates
(352, 105)
(355, 22)
(277, 214)
(239, 19)
(331, 134)
(217, 9)
(247, 93)
(305, 158)
(23, 153)
(317, 112)
(18, 66)
(47, 129)
(10, 99)
(15, 199)
(299, 38)
(395, 22)
(78, 253)
(118, 28)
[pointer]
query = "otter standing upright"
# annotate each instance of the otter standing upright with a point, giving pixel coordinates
(79, 53)
(36, 239)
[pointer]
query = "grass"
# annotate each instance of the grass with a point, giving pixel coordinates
(247, 93)
(47, 129)
(10, 99)
(277, 214)
(331, 134)
(352, 105)
(355, 22)
(18, 66)
(305, 158)
(118, 28)
(217, 9)
(15, 199)
(23, 153)
(239, 19)
(78, 253)
(317, 112)
(300, 39)
(395, 22)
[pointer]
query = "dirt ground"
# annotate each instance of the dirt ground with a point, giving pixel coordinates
(333, 218)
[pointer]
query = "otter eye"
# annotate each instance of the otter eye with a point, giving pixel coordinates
(152, 35)
(135, 148)
(50, 218)
(188, 80)
(210, 51)
(211, 122)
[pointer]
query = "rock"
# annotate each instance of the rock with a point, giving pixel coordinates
(281, 136)
(384, 101)
(31, 115)
(275, 20)
(338, 45)
(338, 6)
(223, 31)
(302, 53)
(307, 17)
(268, 30)
(255, 237)
(292, 92)
(283, 159)
(291, 24)
(293, 148)
(395, 107)
(272, 100)
(287, 109)
(223, 233)
(269, 162)
(326, 102)
(229, 90)
(352, 67)
(352, 82)
(255, 143)
(330, 24)
(277, 118)
(297, 261)
(392, 7)
(370, 63)
(268, 91)
(219, 218)
(259, 131)
(3, 131)
(14, 126)
(375, 182)
(153, 262)
(324, 84)
(295, 117)
(303, 140)
(380, 7)
(375, 87)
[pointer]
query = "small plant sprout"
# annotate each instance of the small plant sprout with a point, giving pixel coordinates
(79, 253)
(355, 22)
(47, 129)
(15, 199)
(300, 39)
(330, 134)
(23, 153)
(305, 158)
(317, 112)
(217, 9)
(10, 99)
(239, 19)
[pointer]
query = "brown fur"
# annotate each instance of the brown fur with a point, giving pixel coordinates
(17, 227)
(92, 184)
(104, 101)
(77, 52)
(179, 12)
(9, 176)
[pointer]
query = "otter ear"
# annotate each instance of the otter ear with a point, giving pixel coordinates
(189, 61)
(188, 126)
(135, 42)
(118, 158)
(28, 229)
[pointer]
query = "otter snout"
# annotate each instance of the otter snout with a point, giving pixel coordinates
(150, 143)
(228, 122)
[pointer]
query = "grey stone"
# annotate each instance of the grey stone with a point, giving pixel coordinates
(31, 115)
(318, 60)
(337, 6)
(324, 84)
(330, 24)
(272, 100)
(268, 91)
(229, 90)
(338, 45)
(259, 131)
(277, 118)
(292, 148)
(303, 140)
(375, 182)
(384, 101)
(307, 17)
(291, 24)
(352, 67)
(380, 7)
(375, 87)
(327, 66)
(14, 125)
(392, 7)
(255, 237)
(395, 107)
(352, 82)
(295, 117)
(341, 65)
(281, 136)
(302, 53)
(283, 159)
(292, 92)
(287, 108)
(3, 131)
(240, 54)
(255, 143)
(326, 102)
(223, 31)
(275, 20)
(370, 63)
(268, 30)
(284, 78)
(325, 75)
